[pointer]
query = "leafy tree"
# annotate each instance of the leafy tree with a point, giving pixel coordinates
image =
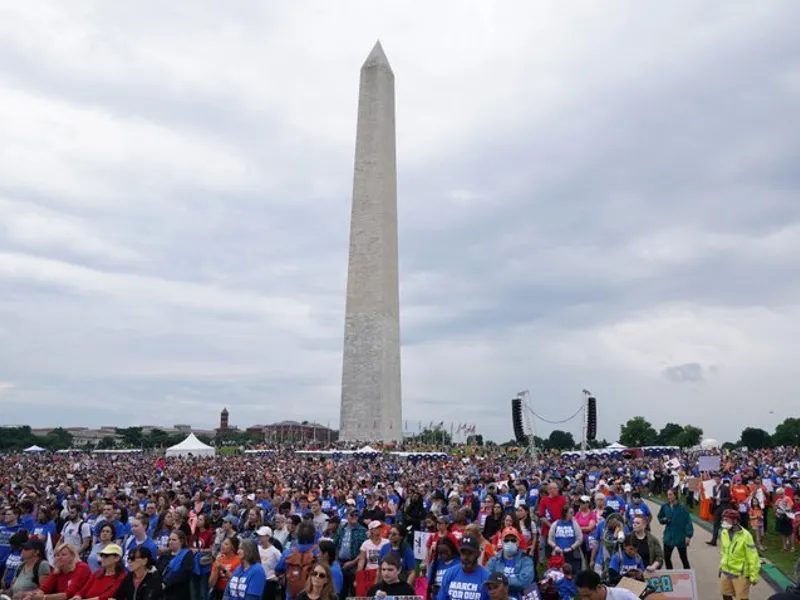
(559, 440)
(728, 446)
(58, 439)
(206, 439)
(787, 433)
(131, 436)
(689, 437)
(669, 434)
(755, 438)
(106, 443)
(637, 432)
(597, 444)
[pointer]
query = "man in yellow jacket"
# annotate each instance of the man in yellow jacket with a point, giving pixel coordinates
(740, 564)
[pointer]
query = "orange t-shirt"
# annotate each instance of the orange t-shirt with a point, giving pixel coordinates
(230, 563)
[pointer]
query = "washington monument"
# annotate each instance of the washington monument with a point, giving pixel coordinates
(371, 398)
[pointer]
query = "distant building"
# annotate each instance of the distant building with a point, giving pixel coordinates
(223, 421)
(294, 431)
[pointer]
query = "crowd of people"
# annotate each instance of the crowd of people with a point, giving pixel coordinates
(495, 526)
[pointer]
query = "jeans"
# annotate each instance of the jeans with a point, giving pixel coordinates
(681, 552)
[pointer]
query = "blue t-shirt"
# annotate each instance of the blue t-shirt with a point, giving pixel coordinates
(247, 583)
(45, 530)
(6, 531)
(13, 562)
(407, 560)
(131, 544)
(338, 578)
(459, 585)
(564, 534)
(638, 510)
(616, 503)
(622, 563)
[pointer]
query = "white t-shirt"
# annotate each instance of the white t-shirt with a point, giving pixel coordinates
(620, 594)
(269, 558)
(373, 553)
(74, 533)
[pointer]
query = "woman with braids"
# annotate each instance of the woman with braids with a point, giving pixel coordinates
(445, 555)
(404, 553)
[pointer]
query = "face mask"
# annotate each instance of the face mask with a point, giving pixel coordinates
(510, 547)
(727, 524)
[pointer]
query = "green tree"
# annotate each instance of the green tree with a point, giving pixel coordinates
(597, 444)
(689, 437)
(58, 439)
(131, 436)
(107, 443)
(787, 433)
(669, 434)
(637, 432)
(755, 438)
(559, 440)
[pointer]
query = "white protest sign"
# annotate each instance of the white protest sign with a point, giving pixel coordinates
(421, 544)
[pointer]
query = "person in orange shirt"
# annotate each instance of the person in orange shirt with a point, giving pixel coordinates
(223, 567)
(740, 496)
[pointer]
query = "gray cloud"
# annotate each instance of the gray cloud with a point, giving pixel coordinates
(583, 200)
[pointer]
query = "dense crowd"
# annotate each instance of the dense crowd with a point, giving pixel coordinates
(488, 526)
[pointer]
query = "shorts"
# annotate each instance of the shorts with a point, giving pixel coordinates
(735, 587)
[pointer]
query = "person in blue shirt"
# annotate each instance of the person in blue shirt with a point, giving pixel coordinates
(445, 556)
(26, 515)
(626, 563)
(8, 529)
(248, 580)
(108, 517)
(327, 557)
(138, 537)
(517, 566)
(404, 553)
(13, 559)
(616, 501)
(638, 508)
(465, 581)
(565, 538)
(306, 534)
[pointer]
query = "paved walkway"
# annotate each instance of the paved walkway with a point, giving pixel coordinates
(704, 560)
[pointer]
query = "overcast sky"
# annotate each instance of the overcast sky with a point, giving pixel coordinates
(591, 195)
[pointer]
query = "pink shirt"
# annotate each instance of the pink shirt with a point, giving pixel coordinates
(584, 520)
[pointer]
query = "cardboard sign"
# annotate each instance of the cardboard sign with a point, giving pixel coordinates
(677, 584)
(709, 463)
(632, 585)
(693, 484)
(421, 544)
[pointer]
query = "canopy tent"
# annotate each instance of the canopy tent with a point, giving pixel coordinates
(35, 449)
(615, 447)
(191, 446)
(709, 444)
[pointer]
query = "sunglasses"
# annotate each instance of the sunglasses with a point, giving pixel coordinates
(319, 574)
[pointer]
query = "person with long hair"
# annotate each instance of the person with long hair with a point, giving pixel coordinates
(67, 578)
(176, 568)
(319, 585)
(445, 555)
(509, 521)
(494, 520)
(104, 583)
(402, 551)
(390, 583)
(106, 534)
(143, 581)
(248, 580)
(224, 565)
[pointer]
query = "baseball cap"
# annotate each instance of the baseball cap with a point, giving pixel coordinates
(496, 578)
(251, 497)
(230, 519)
(352, 511)
(34, 544)
(374, 525)
(264, 531)
(469, 542)
(509, 531)
(586, 499)
(111, 550)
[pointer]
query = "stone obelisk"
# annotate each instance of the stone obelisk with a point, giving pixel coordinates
(371, 397)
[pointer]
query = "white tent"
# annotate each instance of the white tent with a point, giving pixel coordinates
(34, 448)
(709, 444)
(615, 447)
(191, 445)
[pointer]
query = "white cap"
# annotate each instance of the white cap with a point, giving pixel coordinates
(264, 531)
(374, 525)
(350, 501)
(251, 497)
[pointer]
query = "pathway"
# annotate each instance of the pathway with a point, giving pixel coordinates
(704, 560)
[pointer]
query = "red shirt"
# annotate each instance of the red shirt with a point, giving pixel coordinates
(550, 509)
(101, 586)
(67, 583)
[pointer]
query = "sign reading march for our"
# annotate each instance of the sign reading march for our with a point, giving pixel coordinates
(464, 590)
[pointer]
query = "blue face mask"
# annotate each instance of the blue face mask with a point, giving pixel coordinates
(510, 548)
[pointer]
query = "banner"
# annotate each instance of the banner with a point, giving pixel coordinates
(709, 463)
(678, 584)
(421, 544)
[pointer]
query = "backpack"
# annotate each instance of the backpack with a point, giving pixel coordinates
(36, 571)
(298, 570)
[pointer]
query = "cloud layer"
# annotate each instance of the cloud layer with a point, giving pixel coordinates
(588, 198)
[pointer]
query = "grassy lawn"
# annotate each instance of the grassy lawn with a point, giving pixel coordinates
(772, 543)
